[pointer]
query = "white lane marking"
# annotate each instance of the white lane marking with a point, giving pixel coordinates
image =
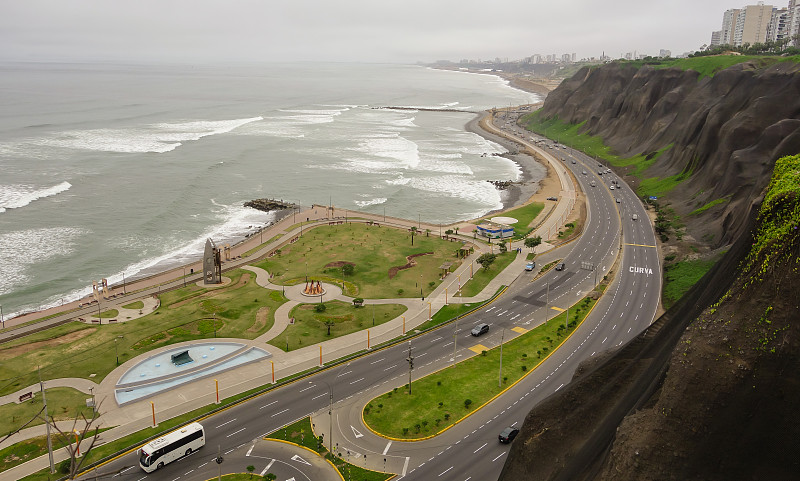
(386, 449)
(281, 412)
(307, 388)
(236, 432)
(376, 362)
(559, 387)
(446, 470)
(405, 465)
(267, 468)
(267, 405)
(226, 422)
(250, 450)
(390, 367)
(356, 432)
(321, 395)
(357, 380)
(300, 460)
(484, 445)
(498, 457)
(604, 340)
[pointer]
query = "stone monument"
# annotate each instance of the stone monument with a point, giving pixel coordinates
(212, 264)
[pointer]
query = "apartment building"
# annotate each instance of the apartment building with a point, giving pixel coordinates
(758, 24)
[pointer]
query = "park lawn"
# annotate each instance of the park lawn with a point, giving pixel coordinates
(107, 314)
(321, 252)
(63, 403)
(134, 305)
(400, 415)
(524, 215)
(260, 246)
(481, 277)
(79, 350)
(569, 228)
(309, 326)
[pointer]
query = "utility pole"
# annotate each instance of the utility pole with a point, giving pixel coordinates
(410, 360)
(546, 303)
(46, 422)
(500, 377)
(455, 343)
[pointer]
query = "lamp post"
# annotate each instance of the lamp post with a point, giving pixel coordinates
(123, 284)
(184, 276)
(116, 352)
(2, 319)
(330, 414)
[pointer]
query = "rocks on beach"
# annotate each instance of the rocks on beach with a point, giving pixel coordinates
(268, 205)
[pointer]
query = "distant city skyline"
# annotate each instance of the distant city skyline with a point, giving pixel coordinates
(349, 30)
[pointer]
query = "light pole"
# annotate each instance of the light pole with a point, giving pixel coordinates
(116, 352)
(500, 377)
(330, 414)
(184, 276)
(2, 319)
(123, 284)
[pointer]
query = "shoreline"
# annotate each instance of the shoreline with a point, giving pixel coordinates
(534, 178)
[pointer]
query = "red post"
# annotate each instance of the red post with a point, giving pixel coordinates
(153, 407)
(273, 372)
(320, 355)
(404, 325)
(445, 296)
(77, 444)
(367, 338)
(216, 385)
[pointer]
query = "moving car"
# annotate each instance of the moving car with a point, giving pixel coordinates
(617, 199)
(635, 217)
(584, 172)
(508, 434)
(560, 266)
(481, 328)
(612, 187)
(552, 198)
(573, 161)
(530, 266)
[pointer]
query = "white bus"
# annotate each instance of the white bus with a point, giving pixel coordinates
(172, 446)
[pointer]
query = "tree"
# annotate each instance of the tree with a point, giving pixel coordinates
(413, 231)
(503, 247)
(269, 477)
(68, 439)
(348, 269)
(358, 302)
(532, 242)
(250, 470)
(486, 260)
(320, 307)
(328, 323)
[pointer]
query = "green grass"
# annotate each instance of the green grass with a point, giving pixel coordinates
(475, 378)
(107, 314)
(567, 232)
(681, 276)
(373, 250)
(309, 326)
(481, 277)
(63, 403)
(79, 350)
(524, 215)
(134, 305)
(300, 432)
(710, 65)
(709, 205)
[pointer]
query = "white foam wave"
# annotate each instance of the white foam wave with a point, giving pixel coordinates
(375, 201)
(315, 111)
(398, 148)
(19, 195)
(155, 138)
(30, 246)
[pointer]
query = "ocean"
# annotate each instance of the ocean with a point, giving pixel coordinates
(108, 170)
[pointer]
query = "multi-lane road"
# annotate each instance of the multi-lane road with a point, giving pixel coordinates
(611, 239)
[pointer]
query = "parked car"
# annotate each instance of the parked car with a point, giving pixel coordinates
(530, 266)
(552, 198)
(560, 266)
(508, 434)
(481, 328)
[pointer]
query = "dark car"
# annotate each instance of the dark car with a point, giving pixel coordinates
(560, 266)
(552, 198)
(508, 434)
(481, 328)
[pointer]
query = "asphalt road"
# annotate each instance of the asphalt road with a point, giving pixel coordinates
(470, 450)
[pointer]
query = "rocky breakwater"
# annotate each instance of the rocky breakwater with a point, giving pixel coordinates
(268, 205)
(720, 134)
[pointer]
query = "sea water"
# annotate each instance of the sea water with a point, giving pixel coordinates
(112, 169)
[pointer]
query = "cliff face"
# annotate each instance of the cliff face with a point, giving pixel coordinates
(709, 393)
(726, 130)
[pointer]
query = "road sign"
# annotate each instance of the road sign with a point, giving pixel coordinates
(652, 197)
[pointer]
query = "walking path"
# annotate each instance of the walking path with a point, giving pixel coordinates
(136, 416)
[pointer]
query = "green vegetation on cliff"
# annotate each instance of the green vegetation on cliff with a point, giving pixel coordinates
(708, 66)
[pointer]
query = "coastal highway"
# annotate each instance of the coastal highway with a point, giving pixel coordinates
(470, 450)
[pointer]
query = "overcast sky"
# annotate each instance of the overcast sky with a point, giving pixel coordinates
(349, 30)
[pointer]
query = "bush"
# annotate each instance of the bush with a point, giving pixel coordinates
(320, 308)
(446, 416)
(467, 402)
(524, 368)
(405, 431)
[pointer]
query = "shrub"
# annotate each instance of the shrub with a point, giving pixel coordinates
(405, 431)
(446, 416)
(467, 402)
(441, 404)
(524, 368)
(320, 308)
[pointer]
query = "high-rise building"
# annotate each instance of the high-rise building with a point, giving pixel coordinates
(729, 19)
(716, 38)
(793, 22)
(752, 24)
(778, 26)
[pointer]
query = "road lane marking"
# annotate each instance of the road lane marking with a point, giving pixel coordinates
(267, 468)
(478, 348)
(236, 432)
(357, 380)
(386, 449)
(279, 413)
(379, 360)
(498, 457)
(390, 367)
(267, 405)
(484, 445)
(226, 422)
(307, 388)
(321, 395)
(250, 450)
(520, 330)
(446, 470)
(556, 309)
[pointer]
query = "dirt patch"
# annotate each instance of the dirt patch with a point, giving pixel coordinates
(411, 263)
(339, 264)
(35, 346)
(261, 320)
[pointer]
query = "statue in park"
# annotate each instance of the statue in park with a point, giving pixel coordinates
(212, 264)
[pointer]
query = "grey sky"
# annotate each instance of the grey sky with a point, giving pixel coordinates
(349, 30)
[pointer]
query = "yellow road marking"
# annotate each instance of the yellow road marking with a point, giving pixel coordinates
(478, 348)
(520, 330)
(638, 245)
(557, 309)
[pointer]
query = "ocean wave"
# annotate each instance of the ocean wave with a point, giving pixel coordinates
(19, 195)
(31, 246)
(398, 148)
(375, 201)
(154, 138)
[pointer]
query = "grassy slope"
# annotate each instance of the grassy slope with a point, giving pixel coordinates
(680, 276)
(708, 66)
(481, 277)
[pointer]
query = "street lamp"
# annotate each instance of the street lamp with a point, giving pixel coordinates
(2, 319)
(330, 414)
(116, 352)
